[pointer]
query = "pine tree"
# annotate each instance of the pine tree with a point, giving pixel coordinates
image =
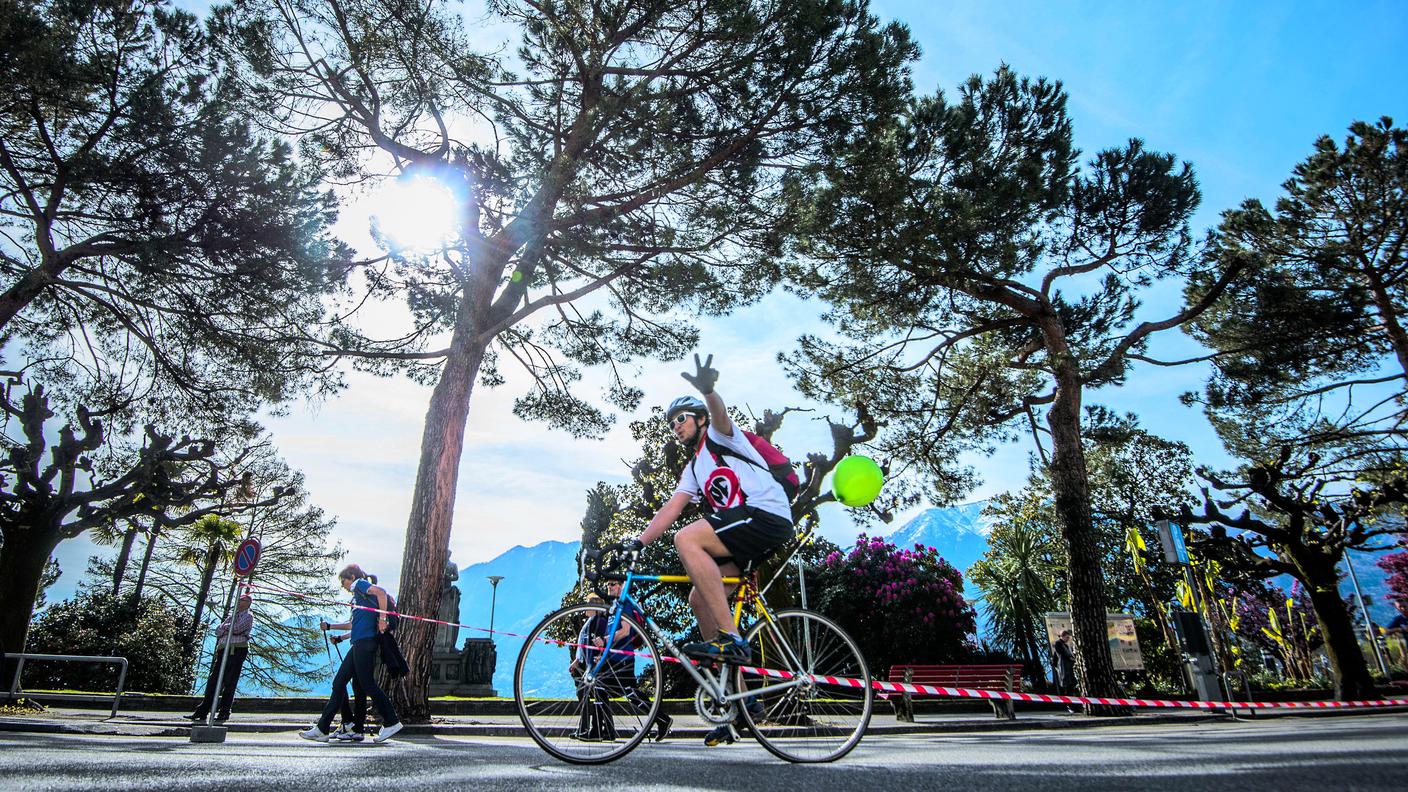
(979, 275)
(1309, 346)
(628, 179)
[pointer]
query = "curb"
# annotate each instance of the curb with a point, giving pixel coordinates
(166, 729)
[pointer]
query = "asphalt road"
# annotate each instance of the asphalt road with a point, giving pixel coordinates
(1283, 754)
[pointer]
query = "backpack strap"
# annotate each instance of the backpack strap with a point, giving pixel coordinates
(779, 472)
(719, 450)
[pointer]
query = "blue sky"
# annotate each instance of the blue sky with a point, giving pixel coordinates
(1239, 89)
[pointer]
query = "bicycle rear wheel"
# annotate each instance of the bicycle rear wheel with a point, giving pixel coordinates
(822, 718)
(586, 719)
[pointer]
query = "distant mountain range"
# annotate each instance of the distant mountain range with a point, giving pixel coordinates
(534, 581)
(536, 578)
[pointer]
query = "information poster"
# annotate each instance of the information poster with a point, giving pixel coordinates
(1119, 631)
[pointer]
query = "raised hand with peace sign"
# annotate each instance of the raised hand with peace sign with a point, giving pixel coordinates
(704, 375)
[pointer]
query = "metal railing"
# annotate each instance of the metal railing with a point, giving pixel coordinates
(19, 669)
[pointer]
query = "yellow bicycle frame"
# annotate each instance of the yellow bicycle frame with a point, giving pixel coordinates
(746, 593)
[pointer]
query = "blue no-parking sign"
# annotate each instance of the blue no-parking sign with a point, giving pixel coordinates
(246, 556)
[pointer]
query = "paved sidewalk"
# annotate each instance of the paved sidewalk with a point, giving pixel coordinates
(59, 719)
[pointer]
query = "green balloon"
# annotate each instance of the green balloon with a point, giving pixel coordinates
(857, 480)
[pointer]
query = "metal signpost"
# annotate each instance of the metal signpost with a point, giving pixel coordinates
(246, 558)
(1199, 662)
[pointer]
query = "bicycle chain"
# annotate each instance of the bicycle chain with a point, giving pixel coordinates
(709, 711)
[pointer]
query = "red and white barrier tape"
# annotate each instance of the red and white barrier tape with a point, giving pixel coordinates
(1003, 695)
(930, 690)
(354, 606)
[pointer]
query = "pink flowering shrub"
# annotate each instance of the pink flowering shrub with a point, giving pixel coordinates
(1396, 565)
(901, 606)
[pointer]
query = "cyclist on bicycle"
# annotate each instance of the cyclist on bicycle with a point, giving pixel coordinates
(749, 514)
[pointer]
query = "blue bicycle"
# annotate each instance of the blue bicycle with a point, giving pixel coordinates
(588, 680)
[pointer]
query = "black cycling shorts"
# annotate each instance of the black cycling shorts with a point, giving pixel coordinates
(749, 534)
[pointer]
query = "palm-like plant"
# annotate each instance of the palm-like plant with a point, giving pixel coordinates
(211, 545)
(1018, 578)
(122, 533)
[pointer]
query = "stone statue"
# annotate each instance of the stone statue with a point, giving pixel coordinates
(447, 636)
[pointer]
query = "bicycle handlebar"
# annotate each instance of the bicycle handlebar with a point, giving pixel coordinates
(610, 562)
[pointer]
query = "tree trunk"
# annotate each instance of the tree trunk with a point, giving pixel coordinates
(152, 536)
(22, 560)
(1070, 487)
(1388, 316)
(22, 293)
(119, 567)
(1352, 679)
(432, 509)
(207, 575)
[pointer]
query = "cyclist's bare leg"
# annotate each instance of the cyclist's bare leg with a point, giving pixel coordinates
(707, 627)
(698, 546)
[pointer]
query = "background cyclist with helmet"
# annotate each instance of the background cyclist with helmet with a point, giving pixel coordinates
(748, 513)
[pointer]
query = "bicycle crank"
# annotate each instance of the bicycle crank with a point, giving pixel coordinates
(711, 710)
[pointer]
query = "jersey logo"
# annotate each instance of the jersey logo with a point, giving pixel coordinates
(722, 490)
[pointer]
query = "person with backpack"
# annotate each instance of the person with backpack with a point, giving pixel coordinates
(388, 657)
(749, 510)
(369, 620)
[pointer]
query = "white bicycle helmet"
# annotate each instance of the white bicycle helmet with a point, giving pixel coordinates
(686, 404)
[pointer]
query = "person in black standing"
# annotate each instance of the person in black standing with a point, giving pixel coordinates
(616, 677)
(1063, 666)
(237, 627)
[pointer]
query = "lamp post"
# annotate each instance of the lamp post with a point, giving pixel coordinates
(493, 601)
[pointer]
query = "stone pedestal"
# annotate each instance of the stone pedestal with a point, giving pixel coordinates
(468, 671)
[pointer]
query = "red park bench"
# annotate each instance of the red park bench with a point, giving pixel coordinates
(981, 677)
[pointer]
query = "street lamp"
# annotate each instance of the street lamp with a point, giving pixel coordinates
(493, 601)
(1368, 620)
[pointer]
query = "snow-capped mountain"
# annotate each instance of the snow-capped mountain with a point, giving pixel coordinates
(959, 533)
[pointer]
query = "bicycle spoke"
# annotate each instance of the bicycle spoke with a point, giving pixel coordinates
(819, 720)
(585, 718)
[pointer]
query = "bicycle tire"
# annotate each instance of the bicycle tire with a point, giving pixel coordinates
(823, 720)
(556, 722)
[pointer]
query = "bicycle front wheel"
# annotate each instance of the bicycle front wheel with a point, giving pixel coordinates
(822, 715)
(575, 708)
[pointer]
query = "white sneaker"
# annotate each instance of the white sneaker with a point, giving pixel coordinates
(348, 736)
(387, 731)
(315, 734)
